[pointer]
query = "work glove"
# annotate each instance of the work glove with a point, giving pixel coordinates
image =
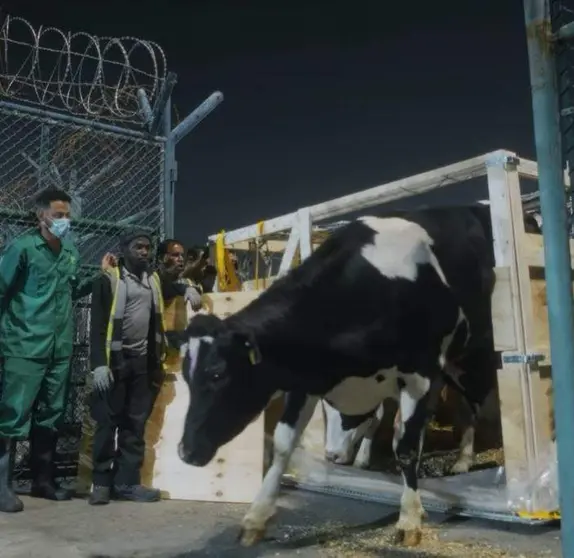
(102, 378)
(193, 297)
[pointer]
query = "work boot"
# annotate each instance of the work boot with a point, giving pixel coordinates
(9, 502)
(100, 496)
(42, 452)
(136, 493)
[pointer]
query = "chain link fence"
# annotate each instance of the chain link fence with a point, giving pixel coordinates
(85, 138)
(115, 181)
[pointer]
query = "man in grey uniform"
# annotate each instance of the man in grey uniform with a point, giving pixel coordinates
(127, 344)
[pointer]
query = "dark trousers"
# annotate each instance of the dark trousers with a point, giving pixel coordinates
(124, 409)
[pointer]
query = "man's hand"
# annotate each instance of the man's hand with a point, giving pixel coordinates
(194, 298)
(103, 378)
(109, 261)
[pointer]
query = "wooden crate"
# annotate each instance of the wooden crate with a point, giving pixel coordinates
(519, 312)
(520, 322)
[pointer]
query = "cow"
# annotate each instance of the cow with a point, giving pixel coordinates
(382, 299)
(344, 433)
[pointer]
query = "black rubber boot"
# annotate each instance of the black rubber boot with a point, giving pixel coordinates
(136, 493)
(100, 496)
(42, 452)
(9, 502)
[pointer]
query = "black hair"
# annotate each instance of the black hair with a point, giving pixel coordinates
(49, 195)
(164, 245)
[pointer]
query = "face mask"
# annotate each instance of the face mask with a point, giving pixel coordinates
(60, 227)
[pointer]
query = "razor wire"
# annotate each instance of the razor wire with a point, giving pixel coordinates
(79, 73)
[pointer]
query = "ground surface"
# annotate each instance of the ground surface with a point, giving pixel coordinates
(308, 526)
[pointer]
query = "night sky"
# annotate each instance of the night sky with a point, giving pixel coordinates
(321, 101)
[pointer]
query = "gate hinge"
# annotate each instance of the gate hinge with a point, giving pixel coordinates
(523, 358)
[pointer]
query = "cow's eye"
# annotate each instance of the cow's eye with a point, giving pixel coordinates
(216, 375)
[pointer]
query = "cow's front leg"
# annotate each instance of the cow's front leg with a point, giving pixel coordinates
(407, 444)
(298, 412)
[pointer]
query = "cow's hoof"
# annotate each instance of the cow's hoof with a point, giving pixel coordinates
(250, 536)
(460, 467)
(410, 537)
(361, 464)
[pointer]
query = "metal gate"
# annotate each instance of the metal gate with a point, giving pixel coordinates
(59, 129)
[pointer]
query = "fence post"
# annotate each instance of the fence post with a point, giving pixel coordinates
(546, 116)
(173, 137)
(170, 175)
(44, 155)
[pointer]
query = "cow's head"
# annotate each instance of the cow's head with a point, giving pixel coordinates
(343, 434)
(228, 387)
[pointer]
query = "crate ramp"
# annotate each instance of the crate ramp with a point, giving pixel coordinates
(480, 494)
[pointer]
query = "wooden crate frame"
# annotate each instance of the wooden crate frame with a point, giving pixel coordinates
(519, 316)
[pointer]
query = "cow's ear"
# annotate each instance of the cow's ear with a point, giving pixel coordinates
(249, 342)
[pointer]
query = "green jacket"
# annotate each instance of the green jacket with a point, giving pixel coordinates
(36, 292)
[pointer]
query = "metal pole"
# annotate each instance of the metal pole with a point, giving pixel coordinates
(44, 154)
(173, 137)
(546, 116)
(58, 117)
(170, 175)
(198, 114)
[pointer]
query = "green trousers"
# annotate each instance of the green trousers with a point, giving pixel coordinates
(33, 391)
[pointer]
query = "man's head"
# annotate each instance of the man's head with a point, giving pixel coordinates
(52, 209)
(136, 248)
(196, 261)
(171, 256)
(196, 253)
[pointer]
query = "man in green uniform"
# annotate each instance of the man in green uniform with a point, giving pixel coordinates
(38, 280)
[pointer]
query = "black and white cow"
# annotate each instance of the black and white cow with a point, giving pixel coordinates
(349, 439)
(382, 299)
(344, 433)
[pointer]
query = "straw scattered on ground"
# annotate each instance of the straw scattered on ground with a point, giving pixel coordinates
(336, 541)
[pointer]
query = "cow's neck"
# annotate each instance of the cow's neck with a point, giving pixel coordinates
(296, 359)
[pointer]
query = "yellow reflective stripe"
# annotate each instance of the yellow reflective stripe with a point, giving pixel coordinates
(115, 274)
(157, 284)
